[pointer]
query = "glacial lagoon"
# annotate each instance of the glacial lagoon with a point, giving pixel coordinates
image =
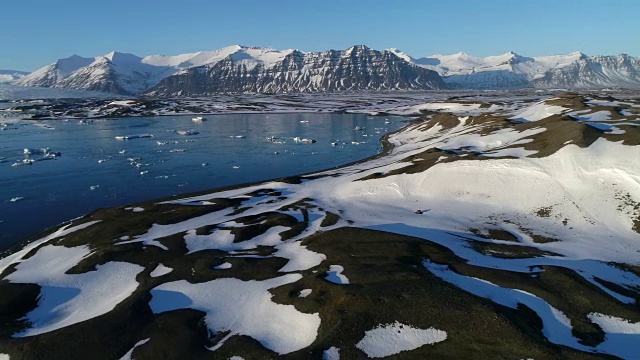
(39, 189)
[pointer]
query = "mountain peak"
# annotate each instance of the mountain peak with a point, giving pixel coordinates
(120, 58)
(578, 55)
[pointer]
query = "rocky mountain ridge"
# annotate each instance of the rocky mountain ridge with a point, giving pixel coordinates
(514, 71)
(241, 69)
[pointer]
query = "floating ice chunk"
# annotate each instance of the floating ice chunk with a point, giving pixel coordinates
(16, 199)
(395, 338)
(187, 132)
(303, 140)
(130, 137)
(335, 275)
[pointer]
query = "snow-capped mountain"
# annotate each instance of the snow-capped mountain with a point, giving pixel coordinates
(9, 76)
(356, 68)
(114, 72)
(510, 70)
(236, 69)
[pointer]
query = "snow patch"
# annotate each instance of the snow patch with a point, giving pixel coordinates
(67, 299)
(242, 308)
(621, 335)
(332, 353)
(335, 275)
(538, 112)
(160, 270)
(127, 356)
(391, 339)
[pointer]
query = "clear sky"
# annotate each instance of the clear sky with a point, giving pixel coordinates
(34, 33)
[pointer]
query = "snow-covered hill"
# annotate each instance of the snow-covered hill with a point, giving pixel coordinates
(512, 71)
(9, 76)
(496, 227)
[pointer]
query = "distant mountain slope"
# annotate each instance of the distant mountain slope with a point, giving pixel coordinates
(356, 68)
(9, 76)
(510, 70)
(238, 69)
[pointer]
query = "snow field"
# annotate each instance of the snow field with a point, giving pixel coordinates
(67, 299)
(242, 308)
(391, 339)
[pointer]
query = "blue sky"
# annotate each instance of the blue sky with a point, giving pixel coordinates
(37, 32)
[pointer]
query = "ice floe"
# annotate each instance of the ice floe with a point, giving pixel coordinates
(131, 137)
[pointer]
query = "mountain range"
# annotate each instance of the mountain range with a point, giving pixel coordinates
(241, 69)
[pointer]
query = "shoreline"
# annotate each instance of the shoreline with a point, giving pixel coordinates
(386, 148)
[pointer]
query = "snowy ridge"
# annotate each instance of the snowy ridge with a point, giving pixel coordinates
(237, 68)
(513, 71)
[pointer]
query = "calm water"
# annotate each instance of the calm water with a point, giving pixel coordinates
(229, 149)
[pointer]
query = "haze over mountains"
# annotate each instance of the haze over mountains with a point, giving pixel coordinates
(8, 76)
(240, 69)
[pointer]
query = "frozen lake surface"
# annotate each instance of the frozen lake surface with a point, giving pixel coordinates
(96, 170)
